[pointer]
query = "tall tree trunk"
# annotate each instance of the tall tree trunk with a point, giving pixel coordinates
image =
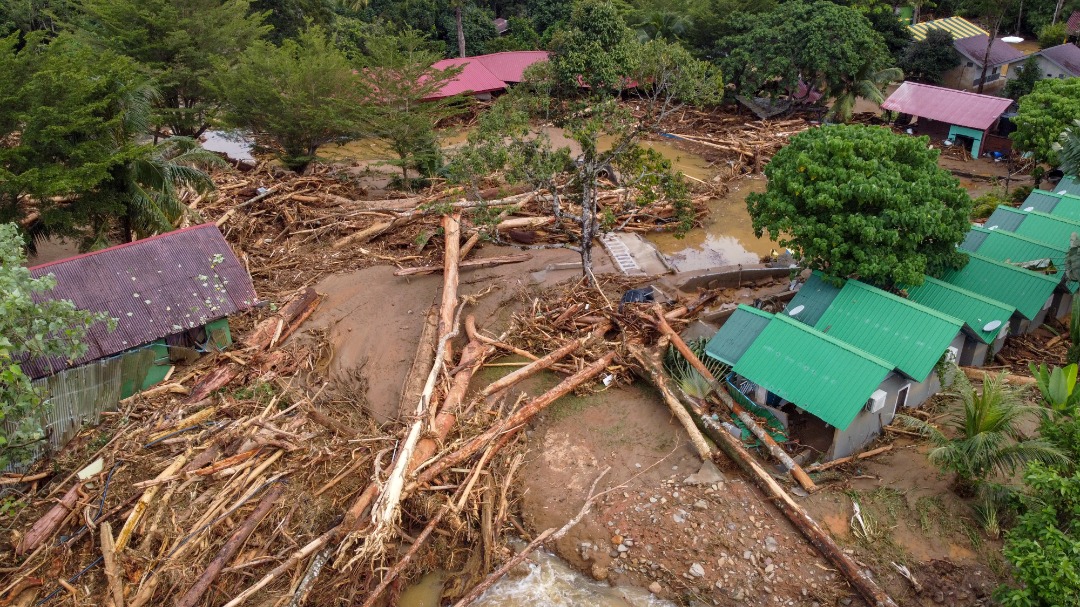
(460, 31)
(1057, 11)
(986, 55)
(1019, 16)
(915, 14)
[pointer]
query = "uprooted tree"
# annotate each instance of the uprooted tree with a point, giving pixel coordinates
(863, 202)
(661, 78)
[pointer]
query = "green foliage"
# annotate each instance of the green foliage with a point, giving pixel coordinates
(595, 48)
(1044, 545)
(985, 205)
(522, 36)
(401, 64)
(981, 433)
(894, 33)
(35, 15)
(1027, 75)
(1073, 355)
(858, 201)
(1052, 34)
(686, 376)
(830, 48)
(927, 61)
(1020, 193)
(1057, 386)
(179, 44)
(30, 330)
(476, 24)
(1044, 114)
(65, 116)
(1069, 150)
(295, 97)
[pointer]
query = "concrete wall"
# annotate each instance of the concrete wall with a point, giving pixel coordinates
(867, 426)
(1047, 69)
(964, 77)
(1062, 305)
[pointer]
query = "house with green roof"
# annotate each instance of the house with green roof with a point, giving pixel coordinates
(1012, 248)
(829, 394)
(813, 298)
(1030, 293)
(736, 334)
(987, 320)
(1069, 184)
(1059, 204)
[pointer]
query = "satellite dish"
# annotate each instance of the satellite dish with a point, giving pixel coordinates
(1012, 39)
(796, 310)
(1029, 209)
(990, 326)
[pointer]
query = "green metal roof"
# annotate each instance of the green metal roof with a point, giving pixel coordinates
(1053, 203)
(1005, 218)
(1051, 229)
(814, 297)
(1025, 290)
(1014, 248)
(911, 336)
(973, 240)
(1068, 185)
(975, 310)
(738, 332)
(825, 376)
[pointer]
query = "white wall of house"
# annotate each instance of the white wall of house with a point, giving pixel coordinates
(1047, 69)
(966, 77)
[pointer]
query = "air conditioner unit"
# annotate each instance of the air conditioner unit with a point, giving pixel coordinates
(876, 402)
(952, 355)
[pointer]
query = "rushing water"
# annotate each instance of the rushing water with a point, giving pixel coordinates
(550, 582)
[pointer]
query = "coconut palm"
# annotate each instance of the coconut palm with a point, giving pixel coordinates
(980, 434)
(868, 83)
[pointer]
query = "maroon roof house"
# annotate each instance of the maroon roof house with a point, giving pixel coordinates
(969, 74)
(483, 75)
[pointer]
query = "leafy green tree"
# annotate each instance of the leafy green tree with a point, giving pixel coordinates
(522, 36)
(1026, 76)
(652, 19)
(290, 17)
(596, 49)
(867, 84)
(401, 64)
(62, 111)
(296, 97)
(35, 15)
(1057, 385)
(1052, 35)
(894, 33)
(981, 435)
(1043, 116)
(1044, 545)
(668, 79)
(30, 329)
(469, 29)
(180, 44)
(927, 60)
(859, 201)
(828, 47)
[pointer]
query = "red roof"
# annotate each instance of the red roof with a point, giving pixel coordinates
(1072, 26)
(487, 73)
(947, 105)
(154, 287)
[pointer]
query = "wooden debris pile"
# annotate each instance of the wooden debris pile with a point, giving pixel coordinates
(745, 146)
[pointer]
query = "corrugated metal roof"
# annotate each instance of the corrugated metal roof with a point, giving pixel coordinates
(974, 49)
(736, 335)
(1054, 230)
(947, 105)
(1025, 290)
(814, 297)
(1072, 26)
(975, 310)
(1058, 205)
(957, 26)
(1066, 56)
(909, 335)
(154, 287)
(487, 73)
(825, 376)
(1004, 218)
(1069, 184)
(1010, 247)
(973, 240)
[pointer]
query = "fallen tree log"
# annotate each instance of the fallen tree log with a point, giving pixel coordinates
(818, 537)
(235, 541)
(45, 526)
(542, 363)
(652, 366)
(468, 265)
(980, 375)
(524, 223)
(844, 460)
(794, 469)
(269, 331)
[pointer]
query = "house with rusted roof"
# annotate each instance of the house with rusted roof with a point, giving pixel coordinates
(170, 297)
(946, 114)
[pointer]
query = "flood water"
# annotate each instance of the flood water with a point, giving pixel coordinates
(232, 144)
(549, 582)
(727, 238)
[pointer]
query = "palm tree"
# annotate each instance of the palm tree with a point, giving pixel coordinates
(1069, 150)
(983, 436)
(868, 83)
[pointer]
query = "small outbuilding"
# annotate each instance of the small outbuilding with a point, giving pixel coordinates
(170, 296)
(1030, 293)
(952, 115)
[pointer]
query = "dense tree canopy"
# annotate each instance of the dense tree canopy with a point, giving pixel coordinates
(596, 48)
(180, 44)
(1044, 115)
(857, 201)
(927, 60)
(822, 44)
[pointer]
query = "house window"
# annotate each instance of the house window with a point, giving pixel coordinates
(971, 64)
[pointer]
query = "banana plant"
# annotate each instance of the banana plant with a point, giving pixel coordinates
(1058, 386)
